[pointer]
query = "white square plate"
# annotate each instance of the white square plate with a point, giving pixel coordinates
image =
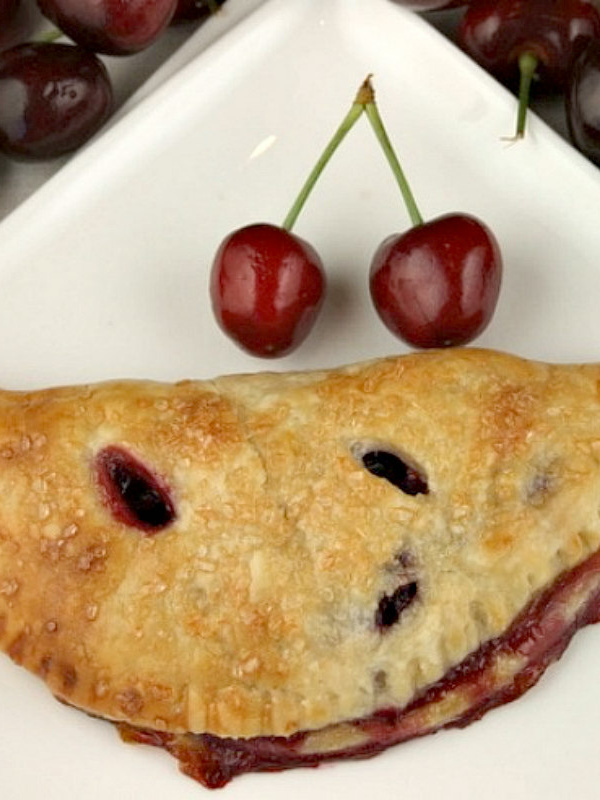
(104, 273)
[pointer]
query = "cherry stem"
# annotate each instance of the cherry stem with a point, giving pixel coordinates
(356, 110)
(374, 118)
(528, 64)
(50, 36)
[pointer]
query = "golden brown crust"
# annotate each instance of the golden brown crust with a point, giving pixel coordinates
(254, 612)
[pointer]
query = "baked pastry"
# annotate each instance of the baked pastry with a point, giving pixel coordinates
(270, 570)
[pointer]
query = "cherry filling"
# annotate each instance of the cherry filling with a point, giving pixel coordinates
(392, 468)
(134, 495)
(391, 606)
(498, 672)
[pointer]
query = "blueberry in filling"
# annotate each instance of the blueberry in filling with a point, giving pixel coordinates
(133, 493)
(387, 465)
(391, 606)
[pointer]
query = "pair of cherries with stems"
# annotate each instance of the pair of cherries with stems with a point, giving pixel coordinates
(435, 285)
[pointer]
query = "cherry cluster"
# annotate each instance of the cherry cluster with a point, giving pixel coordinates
(434, 285)
(55, 96)
(552, 44)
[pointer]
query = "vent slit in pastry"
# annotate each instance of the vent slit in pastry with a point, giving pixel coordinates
(134, 495)
(388, 465)
(391, 606)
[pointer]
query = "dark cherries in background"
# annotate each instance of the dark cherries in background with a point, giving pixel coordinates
(16, 22)
(55, 96)
(497, 32)
(8, 12)
(555, 31)
(113, 27)
(562, 35)
(188, 10)
(583, 102)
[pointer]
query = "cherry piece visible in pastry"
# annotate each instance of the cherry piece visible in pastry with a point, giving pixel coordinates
(132, 492)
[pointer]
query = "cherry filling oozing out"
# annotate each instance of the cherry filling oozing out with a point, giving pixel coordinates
(483, 681)
(135, 495)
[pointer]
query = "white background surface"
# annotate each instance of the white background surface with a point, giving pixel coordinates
(103, 273)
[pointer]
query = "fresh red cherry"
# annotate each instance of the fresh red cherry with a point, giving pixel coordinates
(188, 10)
(497, 32)
(437, 285)
(53, 97)
(267, 284)
(267, 287)
(528, 38)
(583, 102)
(114, 27)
